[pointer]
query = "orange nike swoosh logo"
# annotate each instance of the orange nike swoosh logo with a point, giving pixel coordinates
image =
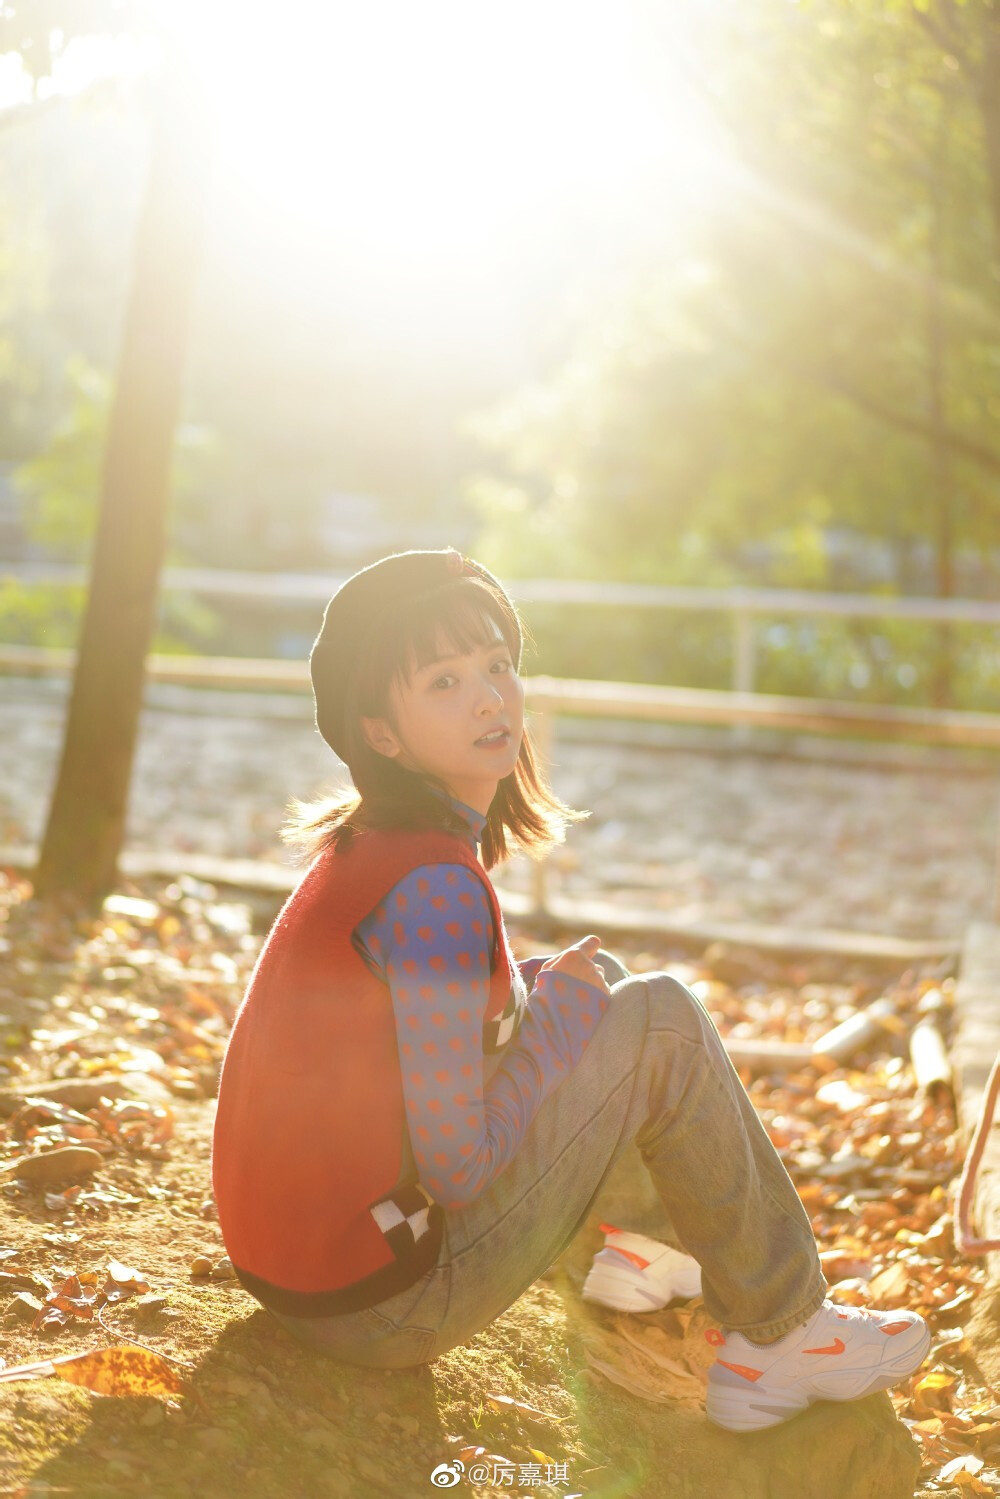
(750, 1374)
(628, 1254)
(837, 1346)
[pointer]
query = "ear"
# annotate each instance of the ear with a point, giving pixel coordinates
(380, 737)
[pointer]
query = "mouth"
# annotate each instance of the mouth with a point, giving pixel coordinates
(495, 739)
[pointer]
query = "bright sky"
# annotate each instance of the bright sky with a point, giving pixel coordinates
(424, 138)
(453, 119)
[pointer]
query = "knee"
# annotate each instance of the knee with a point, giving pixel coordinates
(613, 969)
(672, 1006)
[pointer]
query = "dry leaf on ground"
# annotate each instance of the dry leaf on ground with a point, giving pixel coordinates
(108, 1371)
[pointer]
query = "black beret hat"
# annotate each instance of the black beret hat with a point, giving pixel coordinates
(366, 596)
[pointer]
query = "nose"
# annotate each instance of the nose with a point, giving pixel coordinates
(490, 698)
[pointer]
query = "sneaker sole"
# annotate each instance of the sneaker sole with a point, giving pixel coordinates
(754, 1410)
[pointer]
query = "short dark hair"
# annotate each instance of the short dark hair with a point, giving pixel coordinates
(525, 812)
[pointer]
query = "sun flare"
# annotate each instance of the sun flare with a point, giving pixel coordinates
(428, 132)
(438, 159)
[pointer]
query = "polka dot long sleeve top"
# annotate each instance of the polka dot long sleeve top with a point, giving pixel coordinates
(470, 1087)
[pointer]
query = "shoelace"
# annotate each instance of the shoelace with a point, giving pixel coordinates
(848, 1312)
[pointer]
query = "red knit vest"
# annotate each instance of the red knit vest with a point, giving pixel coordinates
(308, 1141)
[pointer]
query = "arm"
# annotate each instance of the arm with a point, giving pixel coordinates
(464, 1129)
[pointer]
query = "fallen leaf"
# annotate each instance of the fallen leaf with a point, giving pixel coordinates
(651, 1342)
(120, 1371)
(970, 1484)
(932, 1391)
(891, 1285)
(124, 1276)
(541, 1457)
(644, 1388)
(968, 1463)
(841, 1095)
(62, 1199)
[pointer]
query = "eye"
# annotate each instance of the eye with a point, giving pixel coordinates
(445, 680)
(504, 663)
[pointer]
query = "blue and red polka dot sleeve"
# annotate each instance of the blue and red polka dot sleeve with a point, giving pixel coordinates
(470, 1087)
(529, 967)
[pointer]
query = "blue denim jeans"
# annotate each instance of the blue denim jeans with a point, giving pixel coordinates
(655, 1072)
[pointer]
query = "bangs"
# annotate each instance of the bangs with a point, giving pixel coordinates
(460, 618)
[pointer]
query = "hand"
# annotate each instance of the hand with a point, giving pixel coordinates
(577, 961)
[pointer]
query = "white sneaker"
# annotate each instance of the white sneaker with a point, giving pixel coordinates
(840, 1353)
(633, 1273)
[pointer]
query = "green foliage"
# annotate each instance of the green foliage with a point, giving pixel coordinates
(46, 615)
(49, 615)
(769, 376)
(819, 352)
(61, 486)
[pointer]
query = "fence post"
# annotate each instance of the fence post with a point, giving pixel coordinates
(542, 735)
(744, 662)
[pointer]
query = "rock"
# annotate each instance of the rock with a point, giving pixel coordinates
(9, 1281)
(214, 1439)
(75, 1093)
(150, 1304)
(262, 1400)
(843, 1167)
(834, 1449)
(234, 1384)
(732, 965)
(63, 1164)
(142, 1085)
(25, 1306)
(366, 1468)
(322, 1439)
(201, 1265)
(408, 1425)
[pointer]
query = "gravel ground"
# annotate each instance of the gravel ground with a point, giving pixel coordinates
(706, 834)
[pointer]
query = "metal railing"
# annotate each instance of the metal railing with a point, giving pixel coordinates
(744, 605)
(549, 697)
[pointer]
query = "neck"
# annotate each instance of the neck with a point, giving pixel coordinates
(468, 810)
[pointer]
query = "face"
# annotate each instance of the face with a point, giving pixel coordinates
(443, 713)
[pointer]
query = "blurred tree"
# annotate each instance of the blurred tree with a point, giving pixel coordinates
(821, 353)
(61, 485)
(60, 489)
(85, 827)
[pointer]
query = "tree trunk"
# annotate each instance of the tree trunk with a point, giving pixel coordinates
(989, 103)
(942, 481)
(86, 822)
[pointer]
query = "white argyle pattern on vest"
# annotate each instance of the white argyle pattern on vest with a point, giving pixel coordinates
(403, 1217)
(501, 1030)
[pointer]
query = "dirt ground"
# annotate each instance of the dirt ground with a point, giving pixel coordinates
(145, 993)
(709, 838)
